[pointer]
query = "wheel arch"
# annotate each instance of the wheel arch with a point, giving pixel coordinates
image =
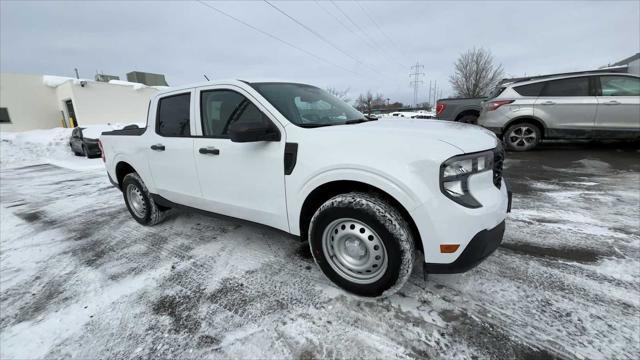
(327, 190)
(468, 111)
(122, 169)
(528, 118)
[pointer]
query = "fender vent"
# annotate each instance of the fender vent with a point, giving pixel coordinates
(290, 157)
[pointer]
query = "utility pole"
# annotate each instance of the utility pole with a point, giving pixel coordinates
(429, 101)
(435, 91)
(416, 81)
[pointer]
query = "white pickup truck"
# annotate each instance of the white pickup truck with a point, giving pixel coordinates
(367, 194)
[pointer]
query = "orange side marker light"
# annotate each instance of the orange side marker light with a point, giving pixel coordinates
(449, 248)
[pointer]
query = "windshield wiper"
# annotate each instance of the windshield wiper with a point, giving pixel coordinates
(312, 125)
(361, 120)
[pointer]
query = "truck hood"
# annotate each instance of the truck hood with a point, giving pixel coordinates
(468, 138)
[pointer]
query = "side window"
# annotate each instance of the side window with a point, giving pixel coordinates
(530, 89)
(567, 87)
(4, 115)
(173, 116)
(221, 108)
(620, 86)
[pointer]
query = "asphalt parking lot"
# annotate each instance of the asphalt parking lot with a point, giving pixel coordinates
(80, 278)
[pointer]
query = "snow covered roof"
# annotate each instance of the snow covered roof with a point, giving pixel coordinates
(55, 81)
(136, 86)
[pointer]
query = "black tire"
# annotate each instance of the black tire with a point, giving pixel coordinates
(385, 221)
(524, 136)
(469, 119)
(152, 213)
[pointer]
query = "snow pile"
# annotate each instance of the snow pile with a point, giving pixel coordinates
(49, 146)
(29, 147)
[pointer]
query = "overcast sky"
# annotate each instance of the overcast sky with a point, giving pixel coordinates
(369, 44)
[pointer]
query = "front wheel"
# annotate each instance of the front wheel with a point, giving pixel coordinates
(362, 244)
(139, 201)
(522, 137)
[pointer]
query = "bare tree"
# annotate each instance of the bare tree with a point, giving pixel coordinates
(366, 102)
(340, 94)
(476, 74)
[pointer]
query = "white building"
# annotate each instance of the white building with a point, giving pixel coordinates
(30, 102)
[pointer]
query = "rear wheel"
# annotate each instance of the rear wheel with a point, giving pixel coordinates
(522, 137)
(139, 201)
(469, 119)
(362, 244)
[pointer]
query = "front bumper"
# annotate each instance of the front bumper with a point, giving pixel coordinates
(441, 221)
(479, 248)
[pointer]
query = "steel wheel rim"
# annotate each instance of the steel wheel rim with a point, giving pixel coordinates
(136, 201)
(354, 250)
(522, 136)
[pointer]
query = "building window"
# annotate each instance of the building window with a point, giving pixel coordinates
(4, 116)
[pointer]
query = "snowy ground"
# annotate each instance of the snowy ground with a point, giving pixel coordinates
(79, 278)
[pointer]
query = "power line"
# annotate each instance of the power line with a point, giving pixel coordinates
(318, 35)
(364, 11)
(311, 31)
(277, 38)
(376, 46)
(416, 81)
(365, 40)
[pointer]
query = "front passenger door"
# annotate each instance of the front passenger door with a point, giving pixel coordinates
(242, 180)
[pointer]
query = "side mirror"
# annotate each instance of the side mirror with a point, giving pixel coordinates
(252, 131)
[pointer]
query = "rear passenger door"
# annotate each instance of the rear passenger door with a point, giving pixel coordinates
(567, 107)
(618, 106)
(170, 149)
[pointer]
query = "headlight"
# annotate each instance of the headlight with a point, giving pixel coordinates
(455, 172)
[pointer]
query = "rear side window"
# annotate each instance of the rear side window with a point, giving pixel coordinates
(530, 89)
(496, 91)
(619, 86)
(221, 108)
(173, 116)
(567, 87)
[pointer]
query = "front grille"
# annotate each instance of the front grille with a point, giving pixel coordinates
(498, 160)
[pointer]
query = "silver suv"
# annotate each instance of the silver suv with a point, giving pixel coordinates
(585, 106)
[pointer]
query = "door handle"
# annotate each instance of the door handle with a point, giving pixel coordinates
(209, 150)
(612, 102)
(547, 103)
(157, 147)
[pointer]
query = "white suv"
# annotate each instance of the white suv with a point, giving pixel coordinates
(365, 193)
(584, 106)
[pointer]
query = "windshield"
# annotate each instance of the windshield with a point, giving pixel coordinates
(308, 106)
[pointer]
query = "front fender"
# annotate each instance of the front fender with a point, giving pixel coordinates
(385, 182)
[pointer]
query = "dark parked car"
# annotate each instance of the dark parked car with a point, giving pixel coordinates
(84, 141)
